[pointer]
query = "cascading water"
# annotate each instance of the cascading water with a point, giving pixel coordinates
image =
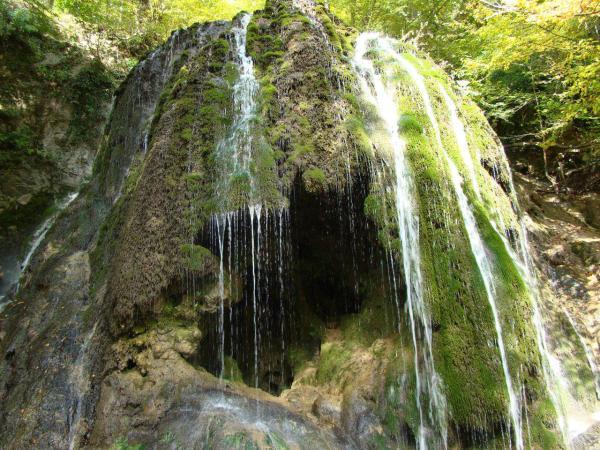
(461, 139)
(37, 239)
(557, 385)
(389, 114)
(567, 410)
(476, 242)
(408, 224)
(235, 153)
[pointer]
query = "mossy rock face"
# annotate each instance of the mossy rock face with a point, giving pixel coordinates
(171, 199)
(304, 85)
(311, 129)
(461, 316)
(197, 258)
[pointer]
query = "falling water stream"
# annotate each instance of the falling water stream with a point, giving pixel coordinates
(557, 385)
(407, 217)
(476, 242)
(37, 239)
(251, 239)
(461, 139)
(477, 246)
(408, 224)
(235, 156)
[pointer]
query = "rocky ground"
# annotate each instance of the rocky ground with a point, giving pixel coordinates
(565, 239)
(565, 231)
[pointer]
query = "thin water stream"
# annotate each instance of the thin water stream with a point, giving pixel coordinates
(476, 242)
(235, 155)
(408, 223)
(461, 139)
(36, 240)
(557, 386)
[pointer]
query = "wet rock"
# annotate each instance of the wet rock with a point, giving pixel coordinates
(173, 402)
(327, 409)
(588, 440)
(358, 417)
(301, 398)
(24, 199)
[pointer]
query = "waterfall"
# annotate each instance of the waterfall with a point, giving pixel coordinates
(476, 242)
(461, 139)
(255, 212)
(221, 221)
(235, 150)
(234, 153)
(566, 407)
(408, 224)
(242, 225)
(37, 239)
(557, 385)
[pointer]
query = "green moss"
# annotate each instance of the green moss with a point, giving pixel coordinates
(376, 318)
(332, 359)
(314, 179)
(220, 47)
(373, 207)
(268, 94)
(232, 371)
(106, 244)
(187, 134)
(360, 137)
(398, 409)
(240, 441)
(123, 444)
(196, 257)
(286, 20)
(409, 123)
(217, 95)
(298, 357)
(332, 32)
(455, 295)
(542, 426)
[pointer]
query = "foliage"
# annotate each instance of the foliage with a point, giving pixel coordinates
(533, 66)
(89, 90)
(137, 26)
(23, 24)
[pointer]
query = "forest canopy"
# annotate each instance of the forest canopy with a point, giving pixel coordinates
(140, 22)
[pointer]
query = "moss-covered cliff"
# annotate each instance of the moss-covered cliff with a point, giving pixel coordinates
(237, 262)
